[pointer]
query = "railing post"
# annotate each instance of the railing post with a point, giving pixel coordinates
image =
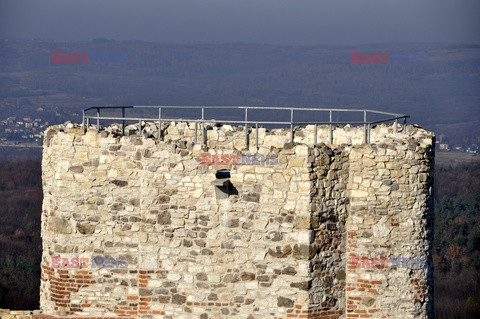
(195, 139)
(404, 129)
(365, 138)
(331, 128)
(204, 133)
(368, 135)
(98, 119)
(291, 125)
(256, 134)
(246, 129)
(123, 121)
(159, 123)
(83, 120)
(315, 135)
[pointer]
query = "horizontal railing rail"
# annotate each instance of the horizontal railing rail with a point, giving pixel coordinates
(246, 122)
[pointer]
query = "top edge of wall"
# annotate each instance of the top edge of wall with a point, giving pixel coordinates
(343, 136)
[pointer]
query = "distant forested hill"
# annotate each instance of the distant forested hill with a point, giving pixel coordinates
(456, 245)
(441, 94)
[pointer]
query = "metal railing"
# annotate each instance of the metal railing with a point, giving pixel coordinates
(367, 125)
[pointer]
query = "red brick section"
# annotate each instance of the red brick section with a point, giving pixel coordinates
(142, 303)
(62, 284)
(65, 282)
(55, 317)
(369, 288)
(298, 312)
(126, 311)
(420, 290)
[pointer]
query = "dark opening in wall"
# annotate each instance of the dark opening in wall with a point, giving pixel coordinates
(223, 186)
(223, 173)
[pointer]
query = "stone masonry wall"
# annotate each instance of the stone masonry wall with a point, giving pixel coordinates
(278, 245)
(329, 212)
(17, 314)
(391, 214)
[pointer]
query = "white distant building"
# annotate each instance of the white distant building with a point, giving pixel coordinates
(472, 149)
(443, 146)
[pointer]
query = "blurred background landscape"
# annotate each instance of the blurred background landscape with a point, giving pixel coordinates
(441, 94)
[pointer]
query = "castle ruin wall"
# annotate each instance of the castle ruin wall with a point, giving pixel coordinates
(275, 240)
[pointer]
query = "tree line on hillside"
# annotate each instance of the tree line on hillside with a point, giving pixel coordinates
(456, 245)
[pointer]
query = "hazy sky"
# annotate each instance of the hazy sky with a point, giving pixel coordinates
(259, 21)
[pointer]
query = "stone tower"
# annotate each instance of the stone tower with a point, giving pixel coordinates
(289, 230)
